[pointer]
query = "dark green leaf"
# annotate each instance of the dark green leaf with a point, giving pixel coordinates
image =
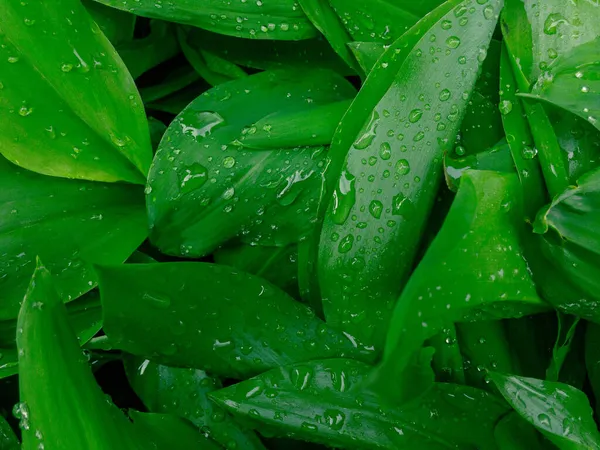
(69, 108)
(68, 223)
(473, 270)
(116, 25)
(274, 19)
(220, 191)
(8, 440)
(246, 325)
(178, 79)
(387, 161)
(561, 412)
(322, 401)
(514, 433)
(567, 326)
(183, 393)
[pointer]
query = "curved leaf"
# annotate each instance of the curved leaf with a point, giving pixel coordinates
(474, 270)
(68, 223)
(561, 412)
(116, 25)
(69, 108)
(322, 401)
(220, 191)
(273, 19)
(386, 160)
(246, 325)
(183, 393)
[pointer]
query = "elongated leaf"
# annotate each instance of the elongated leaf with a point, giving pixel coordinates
(307, 127)
(473, 270)
(8, 440)
(567, 326)
(141, 55)
(573, 83)
(48, 353)
(247, 325)
(69, 108)
(387, 159)
(322, 401)
(69, 223)
(592, 359)
(220, 191)
(274, 19)
(178, 79)
(561, 412)
(270, 55)
(513, 433)
(169, 431)
(116, 25)
(183, 393)
(278, 265)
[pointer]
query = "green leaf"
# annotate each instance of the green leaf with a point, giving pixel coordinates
(178, 79)
(380, 20)
(184, 393)
(69, 108)
(116, 25)
(247, 325)
(170, 432)
(592, 359)
(49, 356)
(221, 191)
(311, 126)
(513, 433)
(8, 440)
(274, 19)
(573, 83)
(567, 326)
(270, 55)
(214, 69)
(447, 361)
(68, 223)
(141, 55)
(322, 401)
(386, 162)
(561, 412)
(367, 53)
(278, 265)
(326, 20)
(474, 270)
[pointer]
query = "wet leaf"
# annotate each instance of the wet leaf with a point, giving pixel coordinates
(561, 412)
(323, 401)
(68, 110)
(69, 223)
(387, 160)
(274, 19)
(247, 325)
(221, 191)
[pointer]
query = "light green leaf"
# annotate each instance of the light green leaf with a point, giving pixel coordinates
(68, 108)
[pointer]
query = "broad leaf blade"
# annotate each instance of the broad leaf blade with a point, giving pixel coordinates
(69, 223)
(69, 106)
(561, 412)
(322, 401)
(247, 325)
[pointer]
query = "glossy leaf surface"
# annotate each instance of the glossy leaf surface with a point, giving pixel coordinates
(247, 325)
(68, 223)
(183, 393)
(386, 159)
(323, 401)
(220, 191)
(561, 412)
(69, 108)
(473, 270)
(274, 19)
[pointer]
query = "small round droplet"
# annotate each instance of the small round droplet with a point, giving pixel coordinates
(529, 152)
(453, 42)
(415, 115)
(445, 95)
(505, 107)
(402, 167)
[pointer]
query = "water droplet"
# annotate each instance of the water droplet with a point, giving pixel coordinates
(505, 107)
(385, 151)
(334, 419)
(344, 197)
(397, 202)
(529, 152)
(24, 111)
(229, 193)
(66, 68)
(453, 42)
(203, 124)
(419, 136)
(585, 89)
(460, 150)
(301, 376)
(376, 208)
(229, 162)
(368, 133)
(402, 167)
(552, 22)
(446, 24)
(346, 243)
(415, 115)
(445, 95)
(194, 177)
(544, 420)
(13, 59)
(488, 12)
